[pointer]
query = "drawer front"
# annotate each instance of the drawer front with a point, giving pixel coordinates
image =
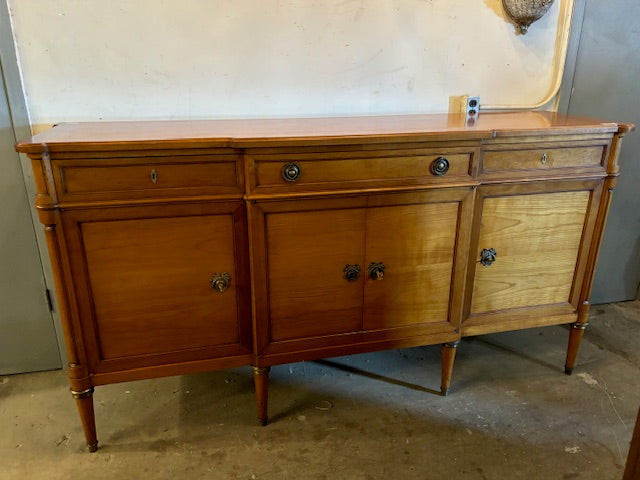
(376, 169)
(100, 179)
(542, 158)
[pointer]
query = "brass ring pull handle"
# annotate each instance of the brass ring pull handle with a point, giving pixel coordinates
(488, 256)
(440, 166)
(376, 271)
(351, 272)
(291, 172)
(154, 176)
(220, 282)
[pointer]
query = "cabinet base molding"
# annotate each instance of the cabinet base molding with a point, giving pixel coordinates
(183, 247)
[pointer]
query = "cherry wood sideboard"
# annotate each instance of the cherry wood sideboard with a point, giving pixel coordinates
(186, 246)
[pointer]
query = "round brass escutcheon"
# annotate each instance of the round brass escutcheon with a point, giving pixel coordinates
(440, 166)
(351, 272)
(220, 282)
(291, 172)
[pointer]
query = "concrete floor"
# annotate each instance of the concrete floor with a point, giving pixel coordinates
(511, 413)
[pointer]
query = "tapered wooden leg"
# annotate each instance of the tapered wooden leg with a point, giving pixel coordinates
(448, 356)
(575, 337)
(632, 470)
(261, 380)
(84, 402)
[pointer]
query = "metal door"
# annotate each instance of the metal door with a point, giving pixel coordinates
(28, 339)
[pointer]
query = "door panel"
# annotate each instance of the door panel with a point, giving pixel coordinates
(148, 276)
(537, 238)
(416, 244)
(163, 266)
(307, 252)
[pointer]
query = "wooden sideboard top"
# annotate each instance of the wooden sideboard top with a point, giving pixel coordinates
(320, 130)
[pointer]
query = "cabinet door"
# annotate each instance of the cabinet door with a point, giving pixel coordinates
(146, 274)
(301, 249)
(422, 241)
(535, 240)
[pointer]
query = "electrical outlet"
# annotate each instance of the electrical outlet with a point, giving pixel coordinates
(472, 109)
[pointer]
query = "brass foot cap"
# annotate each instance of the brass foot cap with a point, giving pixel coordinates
(263, 422)
(444, 392)
(92, 448)
(568, 370)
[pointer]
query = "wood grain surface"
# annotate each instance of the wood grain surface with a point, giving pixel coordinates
(307, 254)
(262, 132)
(150, 283)
(537, 239)
(533, 158)
(416, 243)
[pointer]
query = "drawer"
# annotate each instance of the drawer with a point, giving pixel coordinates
(318, 171)
(542, 158)
(113, 178)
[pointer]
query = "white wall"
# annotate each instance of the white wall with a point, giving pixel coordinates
(157, 59)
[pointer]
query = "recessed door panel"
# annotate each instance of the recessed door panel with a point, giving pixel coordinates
(536, 239)
(150, 280)
(416, 245)
(307, 252)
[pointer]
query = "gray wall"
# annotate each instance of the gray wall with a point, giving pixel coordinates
(28, 331)
(27, 334)
(606, 84)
